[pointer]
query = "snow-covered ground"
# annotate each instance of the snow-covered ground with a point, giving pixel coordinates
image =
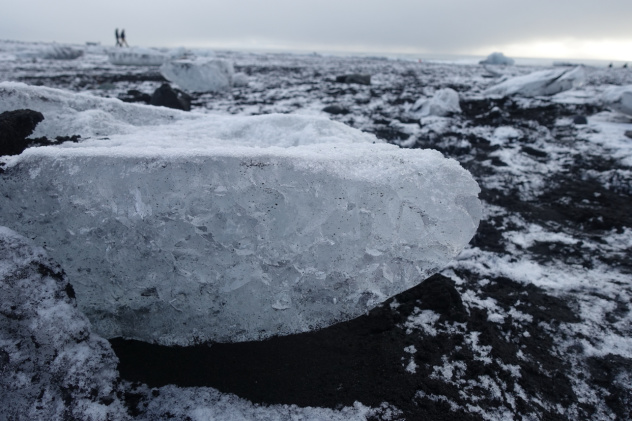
(531, 321)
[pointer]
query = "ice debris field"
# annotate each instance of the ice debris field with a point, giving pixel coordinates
(405, 241)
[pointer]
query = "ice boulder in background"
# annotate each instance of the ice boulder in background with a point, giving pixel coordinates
(238, 228)
(619, 98)
(62, 52)
(444, 102)
(53, 367)
(136, 56)
(498, 59)
(200, 74)
(541, 83)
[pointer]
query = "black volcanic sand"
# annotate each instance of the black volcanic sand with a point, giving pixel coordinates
(362, 360)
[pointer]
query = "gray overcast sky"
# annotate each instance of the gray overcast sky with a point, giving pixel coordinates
(535, 28)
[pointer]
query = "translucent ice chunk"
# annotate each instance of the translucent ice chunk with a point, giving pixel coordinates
(200, 75)
(211, 246)
(545, 82)
(232, 228)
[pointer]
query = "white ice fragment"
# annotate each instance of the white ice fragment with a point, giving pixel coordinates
(137, 56)
(619, 98)
(540, 83)
(503, 134)
(443, 103)
(411, 367)
(410, 349)
(423, 320)
(200, 74)
(62, 52)
(240, 79)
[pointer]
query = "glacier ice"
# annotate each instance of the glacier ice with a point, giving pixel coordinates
(540, 83)
(200, 74)
(235, 228)
(63, 52)
(444, 102)
(53, 367)
(619, 98)
(136, 56)
(497, 59)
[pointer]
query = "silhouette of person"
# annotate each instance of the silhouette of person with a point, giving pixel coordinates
(123, 42)
(118, 38)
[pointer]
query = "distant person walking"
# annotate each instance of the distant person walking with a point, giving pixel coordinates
(118, 38)
(123, 42)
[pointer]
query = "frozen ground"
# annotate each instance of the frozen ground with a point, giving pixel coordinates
(532, 321)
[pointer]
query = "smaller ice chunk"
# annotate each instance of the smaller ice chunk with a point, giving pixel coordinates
(137, 56)
(619, 98)
(63, 52)
(443, 103)
(200, 74)
(497, 59)
(240, 79)
(504, 134)
(541, 83)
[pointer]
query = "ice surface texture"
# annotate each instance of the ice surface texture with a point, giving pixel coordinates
(257, 232)
(540, 83)
(199, 75)
(52, 367)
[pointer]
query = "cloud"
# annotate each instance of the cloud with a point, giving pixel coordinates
(447, 26)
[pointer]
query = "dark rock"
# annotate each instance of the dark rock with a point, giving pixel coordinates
(134, 95)
(335, 109)
(15, 126)
(166, 96)
(628, 134)
(44, 141)
(534, 152)
(438, 294)
(580, 119)
(390, 133)
(355, 78)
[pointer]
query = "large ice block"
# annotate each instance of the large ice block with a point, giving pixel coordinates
(237, 228)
